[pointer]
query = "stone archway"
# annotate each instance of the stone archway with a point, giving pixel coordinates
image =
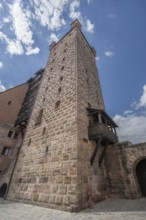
(141, 175)
(3, 190)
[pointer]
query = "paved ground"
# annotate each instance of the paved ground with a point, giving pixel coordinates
(110, 209)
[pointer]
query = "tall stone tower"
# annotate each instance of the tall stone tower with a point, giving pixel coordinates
(58, 165)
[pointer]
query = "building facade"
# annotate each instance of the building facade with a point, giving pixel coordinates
(15, 109)
(70, 150)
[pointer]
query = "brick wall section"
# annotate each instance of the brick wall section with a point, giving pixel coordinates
(121, 161)
(10, 103)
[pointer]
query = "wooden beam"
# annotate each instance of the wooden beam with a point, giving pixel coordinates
(102, 154)
(95, 151)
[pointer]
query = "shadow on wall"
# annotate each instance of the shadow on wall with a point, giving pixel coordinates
(141, 175)
(3, 190)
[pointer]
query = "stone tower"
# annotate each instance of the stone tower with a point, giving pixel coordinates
(58, 165)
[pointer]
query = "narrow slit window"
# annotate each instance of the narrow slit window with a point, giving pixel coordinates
(39, 117)
(61, 78)
(44, 131)
(57, 104)
(59, 90)
(29, 142)
(9, 102)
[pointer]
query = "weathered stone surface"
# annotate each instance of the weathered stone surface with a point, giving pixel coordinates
(58, 200)
(55, 168)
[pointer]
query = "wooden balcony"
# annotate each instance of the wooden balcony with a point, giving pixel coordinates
(99, 130)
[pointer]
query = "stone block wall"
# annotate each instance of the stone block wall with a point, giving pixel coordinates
(90, 178)
(121, 161)
(46, 171)
(53, 168)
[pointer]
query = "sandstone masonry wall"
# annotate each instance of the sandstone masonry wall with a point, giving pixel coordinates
(90, 178)
(46, 172)
(53, 168)
(121, 161)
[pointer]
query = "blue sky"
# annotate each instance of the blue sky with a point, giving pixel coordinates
(117, 30)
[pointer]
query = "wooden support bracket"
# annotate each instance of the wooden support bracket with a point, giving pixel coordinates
(95, 151)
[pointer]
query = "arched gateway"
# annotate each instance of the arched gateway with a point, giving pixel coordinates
(141, 175)
(3, 190)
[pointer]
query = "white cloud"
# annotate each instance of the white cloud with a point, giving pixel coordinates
(142, 100)
(131, 127)
(31, 51)
(109, 53)
(132, 123)
(7, 19)
(14, 47)
(111, 15)
(89, 1)
(49, 13)
(3, 37)
(89, 26)
(97, 58)
(75, 13)
(1, 6)
(2, 87)
(21, 16)
(53, 37)
(1, 64)
(127, 112)
(73, 10)
(20, 20)
(21, 23)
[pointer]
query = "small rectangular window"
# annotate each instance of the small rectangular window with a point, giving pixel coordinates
(6, 151)
(10, 134)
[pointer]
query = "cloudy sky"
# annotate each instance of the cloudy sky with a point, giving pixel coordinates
(117, 30)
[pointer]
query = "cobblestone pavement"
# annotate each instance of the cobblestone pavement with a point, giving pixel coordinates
(110, 209)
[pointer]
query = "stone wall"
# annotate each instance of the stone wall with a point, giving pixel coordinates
(121, 161)
(7, 161)
(90, 178)
(53, 168)
(46, 171)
